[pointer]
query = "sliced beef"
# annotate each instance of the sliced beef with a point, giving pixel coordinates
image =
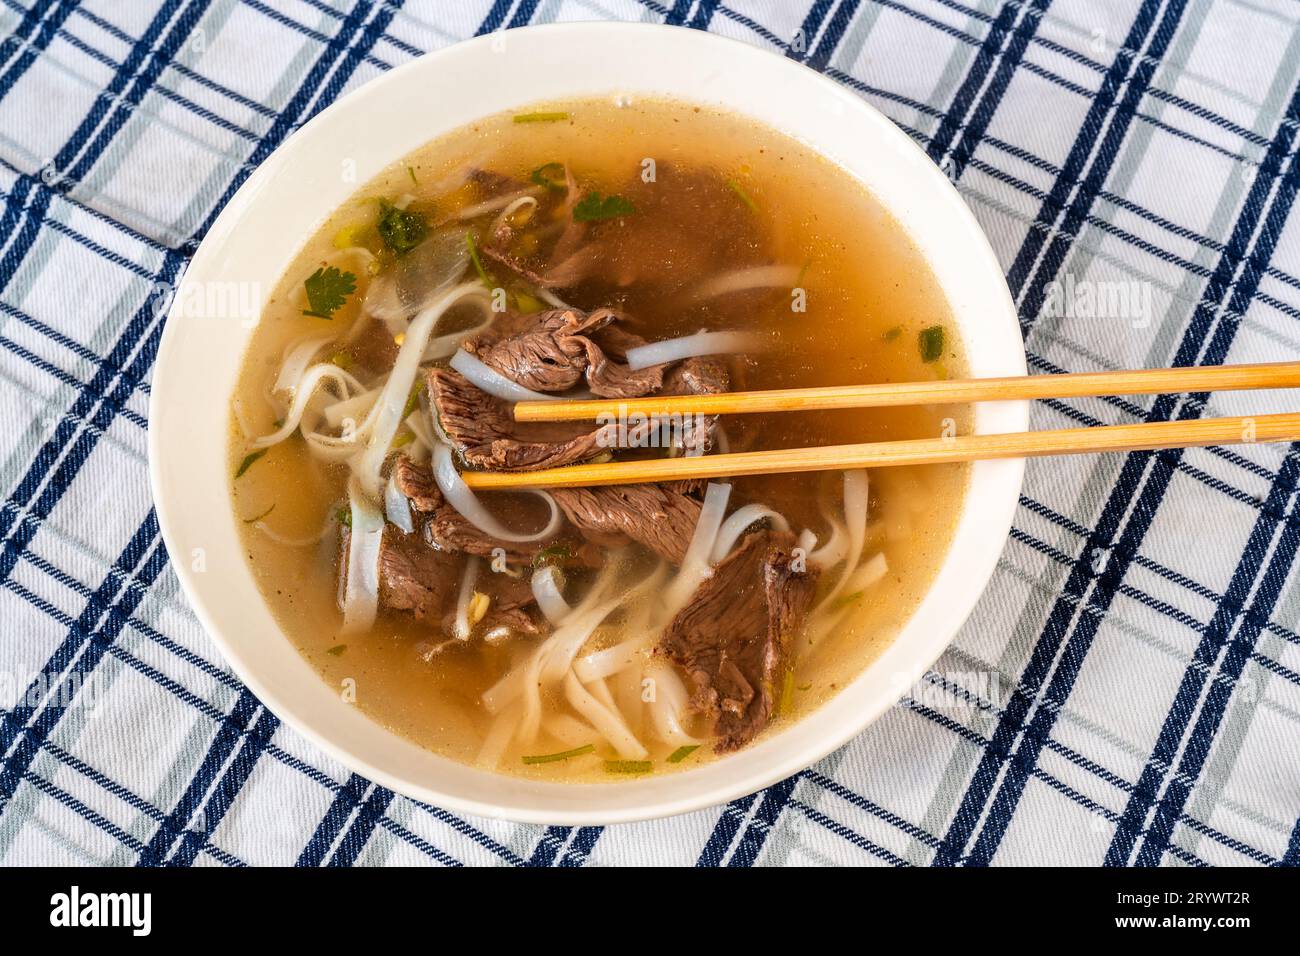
(416, 482)
(545, 352)
(657, 516)
(487, 436)
(425, 581)
(414, 577)
(735, 638)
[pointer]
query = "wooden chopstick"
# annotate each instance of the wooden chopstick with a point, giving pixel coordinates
(1066, 441)
(1201, 378)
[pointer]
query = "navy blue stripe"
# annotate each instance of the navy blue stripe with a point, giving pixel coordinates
(1292, 855)
(363, 825)
(1238, 651)
(808, 30)
(549, 845)
(834, 33)
(1148, 494)
(33, 47)
(1036, 672)
(66, 162)
(773, 801)
(1107, 153)
(226, 791)
(31, 17)
(296, 107)
(495, 17)
(703, 14)
(81, 650)
(976, 73)
(524, 13)
(331, 825)
(584, 841)
(677, 15)
(978, 123)
(1085, 142)
(370, 35)
(724, 831)
(227, 737)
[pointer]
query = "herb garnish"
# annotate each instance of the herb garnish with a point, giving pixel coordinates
(744, 196)
(540, 117)
(401, 229)
(562, 755)
(256, 518)
(472, 244)
(558, 552)
(550, 175)
(337, 649)
(327, 290)
(592, 208)
(628, 766)
(681, 753)
(247, 463)
(344, 516)
(931, 343)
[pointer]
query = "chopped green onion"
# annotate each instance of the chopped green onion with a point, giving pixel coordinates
(891, 334)
(411, 172)
(628, 766)
(412, 400)
(550, 175)
(540, 117)
(559, 552)
(593, 208)
(744, 196)
(681, 753)
(337, 649)
(247, 463)
(472, 244)
(844, 600)
(344, 516)
(786, 702)
(257, 518)
(562, 755)
(405, 438)
(931, 343)
(342, 359)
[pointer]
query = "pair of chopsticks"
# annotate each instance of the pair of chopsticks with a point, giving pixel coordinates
(1064, 441)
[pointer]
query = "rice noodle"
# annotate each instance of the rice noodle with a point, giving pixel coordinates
(460, 497)
(751, 277)
(691, 346)
(739, 523)
(499, 736)
(289, 542)
(361, 592)
(302, 393)
(445, 346)
(548, 589)
(461, 626)
(606, 720)
(493, 382)
(695, 566)
(397, 390)
(296, 359)
(396, 508)
(855, 520)
(497, 202)
(826, 617)
(614, 660)
(551, 299)
(570, 731)
(671, 701)
(354, 408)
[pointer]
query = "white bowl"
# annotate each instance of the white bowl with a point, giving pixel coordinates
(285, 200)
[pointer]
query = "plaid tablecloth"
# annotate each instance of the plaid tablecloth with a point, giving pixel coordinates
(1128, 691)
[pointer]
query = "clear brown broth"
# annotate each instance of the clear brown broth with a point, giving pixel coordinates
(869, 294)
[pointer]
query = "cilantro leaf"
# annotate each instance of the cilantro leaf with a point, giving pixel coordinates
(327, 290)
(592, 208)
(401, 229)
(931, 343)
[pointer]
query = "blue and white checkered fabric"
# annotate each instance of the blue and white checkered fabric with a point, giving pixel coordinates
(1128, 691)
